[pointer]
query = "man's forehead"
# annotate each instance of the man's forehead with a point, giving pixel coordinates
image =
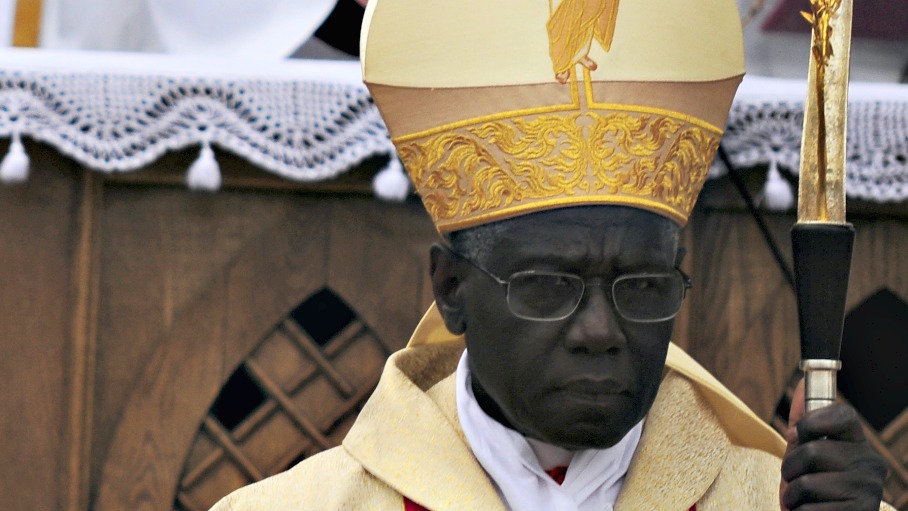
(572, 233)
(577, 221)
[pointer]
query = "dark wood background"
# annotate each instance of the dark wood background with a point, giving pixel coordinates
(128, 303)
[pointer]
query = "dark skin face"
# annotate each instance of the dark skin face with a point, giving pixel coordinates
(582, 382)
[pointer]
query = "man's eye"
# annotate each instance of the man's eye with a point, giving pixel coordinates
(561, 281)
(641, 284)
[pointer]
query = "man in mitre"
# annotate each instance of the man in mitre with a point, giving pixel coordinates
(543, 377)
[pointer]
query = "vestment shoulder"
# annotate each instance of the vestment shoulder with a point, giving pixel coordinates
(749, 479)
(330, 480)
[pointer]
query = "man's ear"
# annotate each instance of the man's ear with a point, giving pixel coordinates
(447, 287)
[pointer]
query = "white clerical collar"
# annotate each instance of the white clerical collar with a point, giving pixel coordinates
(594, 476)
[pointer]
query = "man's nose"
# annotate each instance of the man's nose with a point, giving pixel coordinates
(595, 327)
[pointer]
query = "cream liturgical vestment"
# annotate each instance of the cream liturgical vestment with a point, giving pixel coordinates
(700, 446)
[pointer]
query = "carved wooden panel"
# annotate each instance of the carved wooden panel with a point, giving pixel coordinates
(295, 395)
(874, 379)
(742, 322)
(40, 274)
(163, 251)
(226, 308)
(895, 441)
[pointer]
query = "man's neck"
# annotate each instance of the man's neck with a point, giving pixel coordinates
(550, 456)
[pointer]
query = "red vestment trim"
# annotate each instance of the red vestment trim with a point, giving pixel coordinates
(557, 474)
(409, 505)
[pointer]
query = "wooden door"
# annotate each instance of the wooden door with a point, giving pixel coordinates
(126, 308)
(297, 298)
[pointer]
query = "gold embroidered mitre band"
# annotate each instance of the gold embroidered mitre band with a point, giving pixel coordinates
(505, 107)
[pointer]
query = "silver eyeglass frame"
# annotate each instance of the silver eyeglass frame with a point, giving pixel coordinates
(685, 280)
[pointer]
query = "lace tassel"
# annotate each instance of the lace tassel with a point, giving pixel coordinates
(391, 184)
(777, 193)
(204, 174)
(14, 168)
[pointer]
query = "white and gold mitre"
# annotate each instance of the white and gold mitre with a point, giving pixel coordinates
(500, 108)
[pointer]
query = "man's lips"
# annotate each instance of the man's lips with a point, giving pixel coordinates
(594, 387)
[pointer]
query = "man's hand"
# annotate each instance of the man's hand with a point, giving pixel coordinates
(829, 465)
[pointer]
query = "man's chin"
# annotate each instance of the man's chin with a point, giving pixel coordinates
(586, 427)
(580, 436)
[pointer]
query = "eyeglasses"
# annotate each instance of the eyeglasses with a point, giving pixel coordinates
(552, 296)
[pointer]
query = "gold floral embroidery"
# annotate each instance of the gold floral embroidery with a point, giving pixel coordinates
(491, 169)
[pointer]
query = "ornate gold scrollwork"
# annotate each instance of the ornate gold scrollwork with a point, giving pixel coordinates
(491, 169)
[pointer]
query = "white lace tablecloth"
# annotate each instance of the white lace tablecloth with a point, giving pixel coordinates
(313, 120)
(303, 120)
(766, 121)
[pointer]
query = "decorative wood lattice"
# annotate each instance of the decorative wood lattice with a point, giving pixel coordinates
(295, 395)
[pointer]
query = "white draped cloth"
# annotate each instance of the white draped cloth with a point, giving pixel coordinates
(766, 120)
(307, 121)
(237, 28)
(593, 480)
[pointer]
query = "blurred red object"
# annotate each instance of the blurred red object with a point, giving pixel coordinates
(874, 19)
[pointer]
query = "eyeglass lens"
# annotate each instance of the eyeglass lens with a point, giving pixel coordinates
(648, 297)
(553, 296)
(544, 295)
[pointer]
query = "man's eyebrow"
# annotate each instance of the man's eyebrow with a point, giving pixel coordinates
(539, 260)
(560, 249)
(646, 268)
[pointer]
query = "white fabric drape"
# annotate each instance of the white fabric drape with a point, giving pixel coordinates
(117, 112)
(231, 28)
(7, 18)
